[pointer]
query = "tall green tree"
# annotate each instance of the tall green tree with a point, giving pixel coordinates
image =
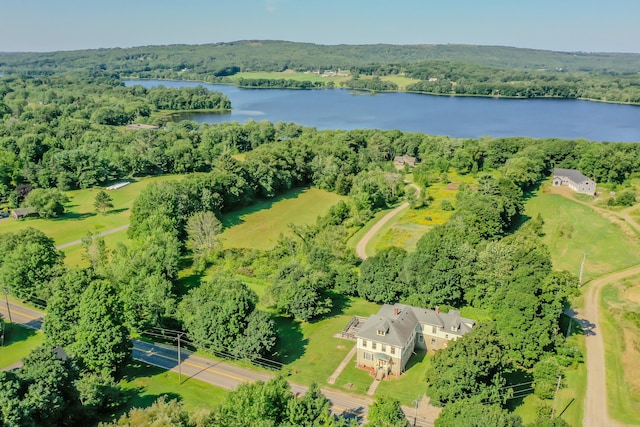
(203, 236)
(387, 412)
(47, 202)
(102, 202)
(217, 316)
(28, 261)
(102, 341)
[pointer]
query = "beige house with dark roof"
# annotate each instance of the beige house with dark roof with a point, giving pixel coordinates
(388, 338)
(575, 180)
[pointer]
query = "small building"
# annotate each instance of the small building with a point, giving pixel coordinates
(386, 341)
(405, 160)
(139, 126)
(21, 212)
(575, 180)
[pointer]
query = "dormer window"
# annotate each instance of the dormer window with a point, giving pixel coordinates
(381, 332)
(454, 328)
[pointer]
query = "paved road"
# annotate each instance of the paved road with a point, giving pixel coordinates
(361, 247)
(102, 233)
(218, 373)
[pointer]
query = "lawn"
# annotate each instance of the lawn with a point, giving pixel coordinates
(146, 383)
(309, 349)
(80, 217)
(19, 341)
(411, 385)
(620, 320)
(572, 230)
(260, 225)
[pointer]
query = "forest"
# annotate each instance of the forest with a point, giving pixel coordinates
(66, 131)
(441, 69)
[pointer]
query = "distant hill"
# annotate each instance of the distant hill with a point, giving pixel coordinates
(228, 58)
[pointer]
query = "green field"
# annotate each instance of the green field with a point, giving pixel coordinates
(572, 230)
(147, 383)
(80, 217)
(73, 254)
(19, 341)
(619, 302)
(260, 225)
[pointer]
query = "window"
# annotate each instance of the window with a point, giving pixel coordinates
(393, 350)
(364, 343)
(453, 328)
(381, 333)
(383, 348)
(420, 338)
(367, 356)
(433, 341)
(433, 330)
(373, 345)
(446, 336)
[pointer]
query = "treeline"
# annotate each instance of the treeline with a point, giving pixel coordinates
(459, 70)
(189, 61)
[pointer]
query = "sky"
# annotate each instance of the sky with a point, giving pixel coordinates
(560, 25)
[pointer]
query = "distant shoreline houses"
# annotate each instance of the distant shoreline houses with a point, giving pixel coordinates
(387, 339)
(575, 180)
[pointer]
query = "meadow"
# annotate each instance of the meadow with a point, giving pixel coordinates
(620, 320)
(572, 230)
(259, 225)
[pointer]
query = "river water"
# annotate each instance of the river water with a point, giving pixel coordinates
(462, 117)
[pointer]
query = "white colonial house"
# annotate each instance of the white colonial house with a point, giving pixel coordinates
(387, 339)
(575, 180)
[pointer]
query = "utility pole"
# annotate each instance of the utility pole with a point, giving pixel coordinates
(584, 258)
(555, 397)
(179, 360)
(6, 298)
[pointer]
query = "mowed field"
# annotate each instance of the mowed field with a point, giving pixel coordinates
(573, 230)
(80, 217)
(259, 226)
(620, 317)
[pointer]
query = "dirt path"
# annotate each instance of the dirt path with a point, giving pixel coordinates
(361, 247)
(595, 407)
(103, 233)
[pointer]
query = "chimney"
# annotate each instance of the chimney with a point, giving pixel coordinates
(395, 311)
(437, 309)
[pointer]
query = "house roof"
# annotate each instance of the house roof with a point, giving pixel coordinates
(573, 174)
(398, 328)
(22, 211)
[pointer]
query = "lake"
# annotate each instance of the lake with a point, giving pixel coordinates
(460, 117)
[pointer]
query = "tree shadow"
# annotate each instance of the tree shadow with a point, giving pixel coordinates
(134, 396)
(74, 216)
(291, 343)
(229, 219)
(116, 211)
(15, 333)
(571, 325)
(340, 304)
(521, 383)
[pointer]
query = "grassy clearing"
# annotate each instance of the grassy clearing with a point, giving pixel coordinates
(406, 229)
(620, 320)
(260, 225)
(146, 383)
(309, 350)
(572, 229)
(73, 254)
(288, 75)
(19, 341)
(80, 217)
